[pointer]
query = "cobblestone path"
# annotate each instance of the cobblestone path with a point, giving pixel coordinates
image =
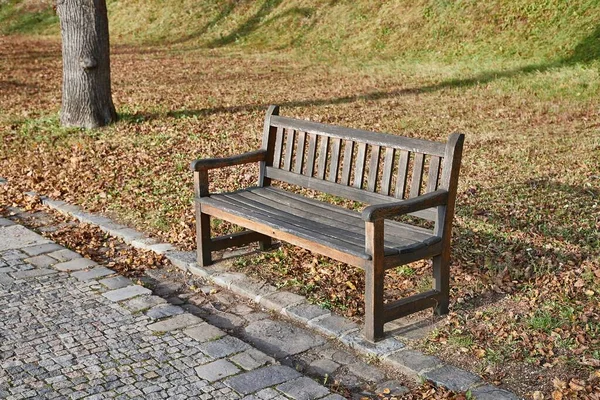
(64, 335)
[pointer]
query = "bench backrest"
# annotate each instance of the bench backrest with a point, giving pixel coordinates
(364, 166)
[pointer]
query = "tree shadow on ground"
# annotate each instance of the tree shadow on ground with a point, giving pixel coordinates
(496, 259)
(252, 23)
(586, 52)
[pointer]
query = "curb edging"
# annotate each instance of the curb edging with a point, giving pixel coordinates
(390, 351)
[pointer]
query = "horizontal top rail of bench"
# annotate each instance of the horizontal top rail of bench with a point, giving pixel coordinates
(359, 135)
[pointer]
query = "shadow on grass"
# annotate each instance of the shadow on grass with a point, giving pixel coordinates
(586, 52)
(541, 226)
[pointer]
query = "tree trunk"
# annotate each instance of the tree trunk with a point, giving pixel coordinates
(86, 95)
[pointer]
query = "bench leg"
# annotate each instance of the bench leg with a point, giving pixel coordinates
(375, 274)
(203, 237)
(266, 243)
(441, 283)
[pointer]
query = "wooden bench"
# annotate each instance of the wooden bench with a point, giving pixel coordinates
(394, 175)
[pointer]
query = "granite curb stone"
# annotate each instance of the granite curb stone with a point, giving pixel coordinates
(41, 261)
(33, 273)
(252, 289)
(489, 392)
(204, 333)
(451, 377)
(42, 249)
(279, 300)
(126, 293)
(116, 282)
(303, 389)
(412, 362)
(333, 325)
(216, 370)
(258, 379)
(75, 265)
(93, 273)
(409, 361)
(177, 322)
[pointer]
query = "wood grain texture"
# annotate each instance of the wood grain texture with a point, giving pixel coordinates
(369, 240)
(359, 171)
(348, 160)
(358, 135)
(300, 152)
(402, 174)
(322, 163)
(388, 168)
(417, 175)
(373, 168)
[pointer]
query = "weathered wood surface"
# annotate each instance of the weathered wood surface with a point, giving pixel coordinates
(392, 175)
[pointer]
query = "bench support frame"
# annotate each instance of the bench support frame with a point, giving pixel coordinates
(437, 204)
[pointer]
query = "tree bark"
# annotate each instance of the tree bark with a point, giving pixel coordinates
(86, 95)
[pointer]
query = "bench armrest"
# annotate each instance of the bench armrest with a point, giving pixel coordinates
(210, 163)
(387, 210)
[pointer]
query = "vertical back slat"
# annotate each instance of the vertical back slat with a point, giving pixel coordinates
(347, 168)
(334, 162)
(373, 168)
(434, 172)
(402, 173)
(388, 167)
(300, 152)
(312, 151)
(289, 150)
(278, 148)
(321, 167)
(417, 175)
(360, 165)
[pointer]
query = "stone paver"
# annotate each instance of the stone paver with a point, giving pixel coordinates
(333, 325)
(116, 282)
(142, 303)
(451, 377)
(274, 337)
(252, 359)
(221, 366)
(305, 312)
(278, 300)
(258, 379)
(492, 393)
(42, 249)
(32, 273)
(223, 347)
(76, 264)
(216, 370)
(5, 222)
(17, 237)
(204, 333)
(163, 311)
(303, 389)
(41, 261)
(60, 339)
(64, 255)
(126, 293)
(93, 273)
(176, 322)
(412, 362)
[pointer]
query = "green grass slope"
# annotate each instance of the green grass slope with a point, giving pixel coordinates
(554, 31)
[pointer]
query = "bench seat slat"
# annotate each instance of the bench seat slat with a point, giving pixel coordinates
(236, 208)
(343, 230)
(316, 223)
(352, 227)
(320, 207)
(336, 189)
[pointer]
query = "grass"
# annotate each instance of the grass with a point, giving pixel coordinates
(520, 78)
